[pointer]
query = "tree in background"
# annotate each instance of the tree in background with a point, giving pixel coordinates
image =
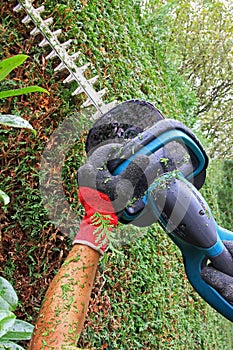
(198, 36)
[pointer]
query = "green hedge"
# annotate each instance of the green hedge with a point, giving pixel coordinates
(141, 299)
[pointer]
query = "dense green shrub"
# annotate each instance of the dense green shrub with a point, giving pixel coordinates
(141, 299)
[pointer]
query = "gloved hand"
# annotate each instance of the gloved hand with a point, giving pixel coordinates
(103, 193)
(220, 281)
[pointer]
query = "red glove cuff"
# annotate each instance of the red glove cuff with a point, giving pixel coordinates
(94, 202)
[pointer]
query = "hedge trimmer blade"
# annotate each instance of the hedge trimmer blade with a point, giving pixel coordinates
(61, 51)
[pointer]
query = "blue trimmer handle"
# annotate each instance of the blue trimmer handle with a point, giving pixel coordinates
(154, 139)
(194, 258)
(187, 219)
(185, 153)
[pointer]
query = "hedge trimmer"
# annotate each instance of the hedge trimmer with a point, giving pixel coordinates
(176, 172)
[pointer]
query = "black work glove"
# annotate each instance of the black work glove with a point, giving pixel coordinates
(120, 188)
(220, 281)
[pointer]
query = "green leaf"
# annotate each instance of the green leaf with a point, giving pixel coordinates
(4, 198)
(7, 65)
(4, 304)
(7, 293)
(7, 345)
(21, 91)
(7, 319)
(14, 121)
(21, 330)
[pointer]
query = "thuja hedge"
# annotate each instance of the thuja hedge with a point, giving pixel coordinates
(141, 299)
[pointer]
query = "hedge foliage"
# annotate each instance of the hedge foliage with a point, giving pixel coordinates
(141, 299)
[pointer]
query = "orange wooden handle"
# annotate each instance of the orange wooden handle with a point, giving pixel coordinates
(62, 314)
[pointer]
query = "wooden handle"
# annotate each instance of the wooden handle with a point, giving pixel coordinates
(63, 311)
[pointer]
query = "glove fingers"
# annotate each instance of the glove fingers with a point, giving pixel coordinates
(128, 182)
(220, 281)
(86, 176)
(102, 154)
(120, 188)
(135, 170)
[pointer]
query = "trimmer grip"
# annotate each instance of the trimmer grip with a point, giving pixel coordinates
(184, 213)
(194, 259)
(187, 219)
